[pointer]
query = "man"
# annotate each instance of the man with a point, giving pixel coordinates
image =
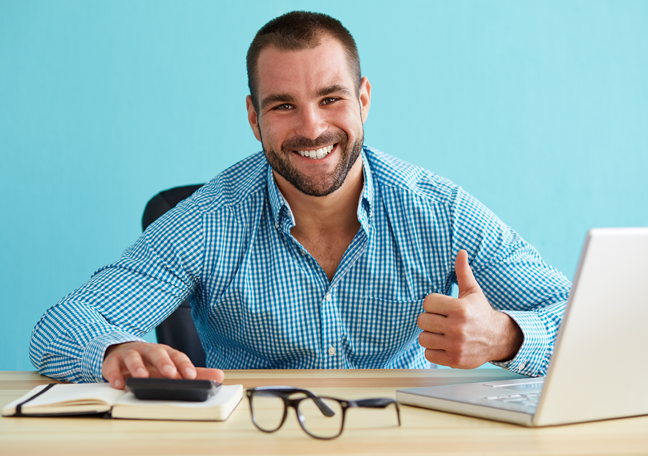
(318, 253)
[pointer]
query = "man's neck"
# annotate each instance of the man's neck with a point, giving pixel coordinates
(326, 225)
(334, 212)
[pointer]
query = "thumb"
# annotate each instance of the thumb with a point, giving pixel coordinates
(465, 278)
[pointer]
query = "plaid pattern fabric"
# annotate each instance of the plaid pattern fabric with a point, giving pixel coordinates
(261, 301)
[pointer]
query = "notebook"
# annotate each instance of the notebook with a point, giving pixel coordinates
(100, 398)
(598, 370)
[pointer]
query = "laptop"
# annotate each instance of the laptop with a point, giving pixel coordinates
(600, 363)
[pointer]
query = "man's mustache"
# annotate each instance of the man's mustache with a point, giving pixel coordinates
(325, 139)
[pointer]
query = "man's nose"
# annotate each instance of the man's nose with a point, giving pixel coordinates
(311, 123)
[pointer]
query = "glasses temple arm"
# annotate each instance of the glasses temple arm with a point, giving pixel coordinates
(379, 402)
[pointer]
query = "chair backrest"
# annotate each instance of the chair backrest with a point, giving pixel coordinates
(178, 330)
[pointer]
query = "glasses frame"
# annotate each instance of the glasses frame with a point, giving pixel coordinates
(284, 392)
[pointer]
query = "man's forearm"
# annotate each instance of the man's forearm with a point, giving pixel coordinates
(68, 344)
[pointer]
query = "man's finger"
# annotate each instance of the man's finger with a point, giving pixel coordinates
(439, 304)
(135, 364)
(160, 359)
(203, 373)
(183, 364)
(465, 278)
(437, 357)
(432, 341)
(111, 371)
(432, 323)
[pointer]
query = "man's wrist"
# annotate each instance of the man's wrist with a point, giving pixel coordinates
(94, 354)
(509, 344)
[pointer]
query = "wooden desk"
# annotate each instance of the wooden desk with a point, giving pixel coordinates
(366, 432)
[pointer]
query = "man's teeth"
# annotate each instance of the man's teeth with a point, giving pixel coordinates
(319, 153)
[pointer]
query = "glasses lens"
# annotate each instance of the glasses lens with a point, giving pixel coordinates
(267, 410)
(320, 421)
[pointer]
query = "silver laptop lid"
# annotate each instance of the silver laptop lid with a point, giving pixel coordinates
(600, 366)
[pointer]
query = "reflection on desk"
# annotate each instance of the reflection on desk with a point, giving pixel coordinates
(423, 431)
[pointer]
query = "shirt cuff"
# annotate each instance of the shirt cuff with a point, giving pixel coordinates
(531, 358)
(93, 356)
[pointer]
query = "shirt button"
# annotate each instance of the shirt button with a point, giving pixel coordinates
(276, 225)
(327, 297)
(331, 350)
(523, 365)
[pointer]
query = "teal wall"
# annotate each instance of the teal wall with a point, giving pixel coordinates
(539, 109)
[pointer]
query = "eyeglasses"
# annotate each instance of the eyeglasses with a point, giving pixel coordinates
(320, 417)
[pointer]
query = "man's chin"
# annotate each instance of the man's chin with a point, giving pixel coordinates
(319, 193)
(306, 186)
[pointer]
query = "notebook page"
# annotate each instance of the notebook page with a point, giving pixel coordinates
(67, 394)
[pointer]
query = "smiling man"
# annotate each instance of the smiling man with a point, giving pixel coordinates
(319, 252)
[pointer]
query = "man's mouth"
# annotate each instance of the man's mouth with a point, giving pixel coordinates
(318, 153)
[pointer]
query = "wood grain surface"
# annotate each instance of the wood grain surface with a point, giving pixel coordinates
(367, 431)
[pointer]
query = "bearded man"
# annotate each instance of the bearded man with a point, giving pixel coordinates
(319, 252)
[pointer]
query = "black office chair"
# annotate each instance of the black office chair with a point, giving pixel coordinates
(178, 330)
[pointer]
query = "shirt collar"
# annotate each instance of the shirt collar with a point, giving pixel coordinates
(282, 216)
(284, 219)
(367, 196)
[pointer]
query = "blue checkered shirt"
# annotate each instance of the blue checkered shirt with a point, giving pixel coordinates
(261, 301)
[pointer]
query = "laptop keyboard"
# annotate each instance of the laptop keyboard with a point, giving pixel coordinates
(529, 400)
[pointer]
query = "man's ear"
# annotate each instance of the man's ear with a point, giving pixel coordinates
(365, 98)
(253, 118)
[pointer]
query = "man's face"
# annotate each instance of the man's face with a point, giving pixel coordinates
(310, 115)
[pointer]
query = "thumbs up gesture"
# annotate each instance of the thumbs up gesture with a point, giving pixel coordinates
(466, 332)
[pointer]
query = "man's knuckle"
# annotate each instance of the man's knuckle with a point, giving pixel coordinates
(461, 312)
(183, 356)
(131, 356)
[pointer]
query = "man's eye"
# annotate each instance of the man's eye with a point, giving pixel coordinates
(329, 100)
(282, 107)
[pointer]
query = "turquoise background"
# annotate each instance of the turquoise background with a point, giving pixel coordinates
(539, 109)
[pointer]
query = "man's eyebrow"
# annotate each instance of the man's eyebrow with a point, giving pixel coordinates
(286, 98)
(335, 88)
(275, 98)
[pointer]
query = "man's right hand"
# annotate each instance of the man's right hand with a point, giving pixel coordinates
(143, 360)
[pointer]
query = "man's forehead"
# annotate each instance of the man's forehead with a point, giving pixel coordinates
(310, 69)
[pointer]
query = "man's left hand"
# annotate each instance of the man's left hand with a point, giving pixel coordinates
(466, 332)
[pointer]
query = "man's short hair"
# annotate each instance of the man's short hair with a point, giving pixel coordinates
(295, 31)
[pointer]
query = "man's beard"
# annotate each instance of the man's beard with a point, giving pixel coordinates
(283, 165)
